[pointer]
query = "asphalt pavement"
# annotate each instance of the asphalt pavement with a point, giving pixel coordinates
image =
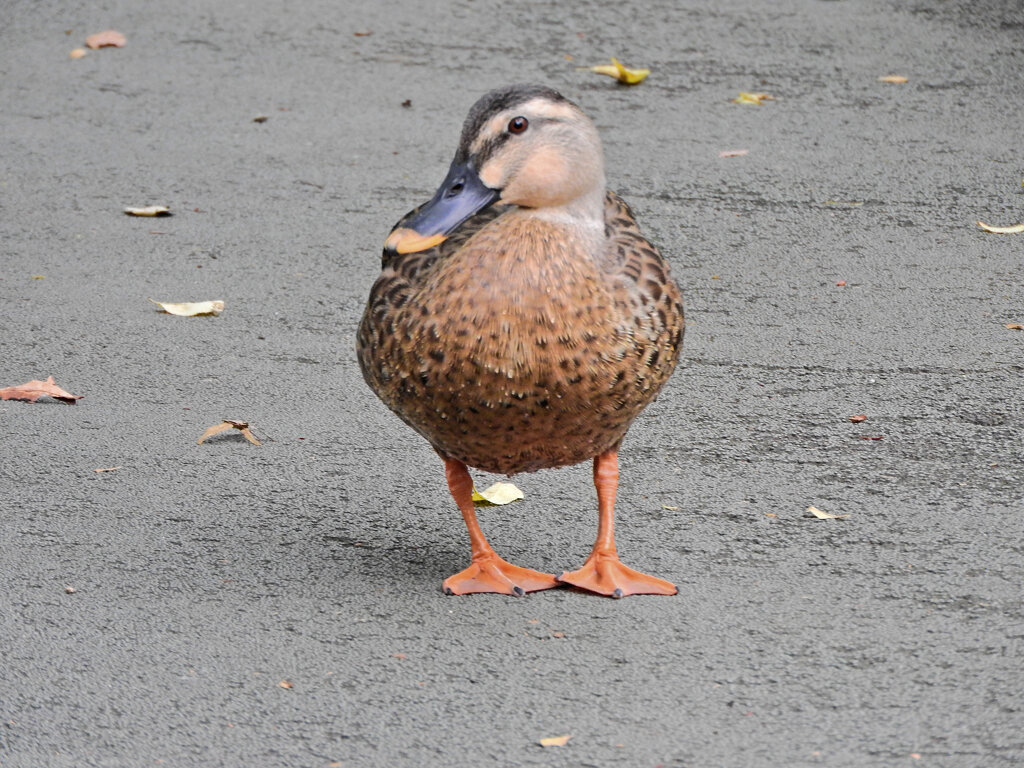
(229, 604)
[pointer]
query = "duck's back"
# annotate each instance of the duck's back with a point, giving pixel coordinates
(511, 349)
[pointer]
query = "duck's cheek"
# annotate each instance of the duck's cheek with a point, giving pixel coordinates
(544, 180)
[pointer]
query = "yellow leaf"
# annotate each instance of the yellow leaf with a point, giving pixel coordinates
(825, 515)
(497, 495)
(555, 741)
(619, 72)
(77, 53)
(892, 79)
(191, 309)
(149, 210)
(1015, 326)
(1002, 230)
(752, 98)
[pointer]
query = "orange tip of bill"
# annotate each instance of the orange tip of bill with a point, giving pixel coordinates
(405, 240)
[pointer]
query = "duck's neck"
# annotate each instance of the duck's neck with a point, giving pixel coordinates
(582, 217)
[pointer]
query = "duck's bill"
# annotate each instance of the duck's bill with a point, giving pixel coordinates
(460, 195)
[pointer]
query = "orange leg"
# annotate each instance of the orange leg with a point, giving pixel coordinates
(603, 572)
(487, 572)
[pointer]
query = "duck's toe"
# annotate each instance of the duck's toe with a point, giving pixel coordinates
(492, 574)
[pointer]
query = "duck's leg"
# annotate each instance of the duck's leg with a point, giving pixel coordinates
(487, 572)
(603, 572)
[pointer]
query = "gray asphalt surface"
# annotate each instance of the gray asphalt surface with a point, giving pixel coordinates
(205, 575)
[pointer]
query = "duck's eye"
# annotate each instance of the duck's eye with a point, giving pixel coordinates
(518, 124)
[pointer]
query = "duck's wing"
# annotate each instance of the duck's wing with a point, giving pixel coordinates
(647, 297)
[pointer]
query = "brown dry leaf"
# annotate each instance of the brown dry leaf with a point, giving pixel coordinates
(109, 39)
(106, 469)
(1011, 230)
(497, 495)
(149, 210)
(619, 72)
(733, 152)
(871, 437)
(362, 34)
(1015, 326)
(752, 98)
(77, 53)
(190, 309)
(825, 515)
(892, 79)
(224, 426)
(33, 390)
(858, 418)
(555, 741)
(285, 684)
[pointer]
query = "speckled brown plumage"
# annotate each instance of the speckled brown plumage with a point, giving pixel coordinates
(515, 351)
(525, 339)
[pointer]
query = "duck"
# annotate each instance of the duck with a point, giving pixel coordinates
(521, 322)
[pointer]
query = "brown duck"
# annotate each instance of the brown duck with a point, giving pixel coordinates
(522, 321)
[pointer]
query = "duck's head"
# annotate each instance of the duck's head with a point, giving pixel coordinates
(524, 145)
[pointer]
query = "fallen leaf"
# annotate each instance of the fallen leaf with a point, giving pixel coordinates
(362, 34)
(669, 508)
(260, 119)
(858, 418)
(733, 152)
(106, 469)
(224, 426)
(497, 495)
(840, 283)
(77, 53)
(149, 210)
(619, 72)
(1011, 230)
(285, 684)
(109, 39)
(1015, 326)
(191, 309)
(555, 741)
(825, 515)
(892, 79)
(871, 437)
(752, 98)
(38, 277)
(398, 656)
(846, 203)
(33, 390)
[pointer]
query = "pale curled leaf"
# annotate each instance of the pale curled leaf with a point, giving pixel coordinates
(190, 309)
(77, 53)
(106, 469)
(1011, 230)
(619, 72)
(555, 741)
(31, 391)
(241, 426)
(148, 210)
(825, 515)
(109, 39)
(497, 495)
(733, 152)
(746, 97)
(1015, 326)
(897, 79)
